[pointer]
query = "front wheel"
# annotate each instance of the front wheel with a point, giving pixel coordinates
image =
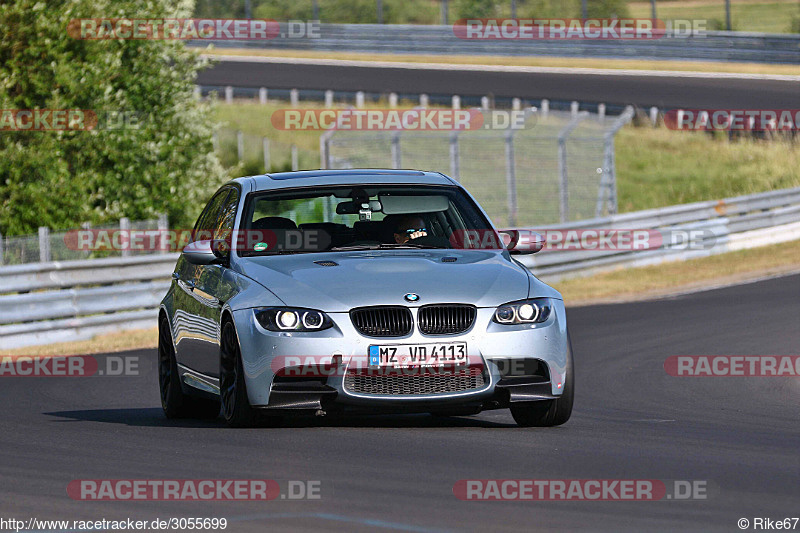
(232, 388)
(548, 412)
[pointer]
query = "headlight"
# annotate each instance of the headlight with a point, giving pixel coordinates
(533, 311)
(292, 319)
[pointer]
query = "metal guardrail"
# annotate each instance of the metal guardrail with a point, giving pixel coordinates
(724, 225)
(59, 301)
(418, 39)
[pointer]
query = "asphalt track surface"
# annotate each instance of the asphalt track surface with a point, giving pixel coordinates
(385, 473)
(644, 90)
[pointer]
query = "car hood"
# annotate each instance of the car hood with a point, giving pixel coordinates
(383, 277)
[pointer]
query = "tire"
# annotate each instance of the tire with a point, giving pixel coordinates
(549, 412)
(236, 406)
(174, 402)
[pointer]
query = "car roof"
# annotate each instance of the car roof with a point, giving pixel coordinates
(355, 176)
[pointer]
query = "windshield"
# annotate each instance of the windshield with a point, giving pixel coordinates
(353, 218)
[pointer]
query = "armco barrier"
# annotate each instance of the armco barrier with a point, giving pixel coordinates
(729, 224)
(50, 302)
(419, 39)
(44, 303)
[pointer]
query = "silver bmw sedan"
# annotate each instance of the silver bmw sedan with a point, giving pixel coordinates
(372, 290)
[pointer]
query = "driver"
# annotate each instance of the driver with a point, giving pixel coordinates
(410, 227)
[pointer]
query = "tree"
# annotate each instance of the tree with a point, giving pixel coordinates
(158, 158)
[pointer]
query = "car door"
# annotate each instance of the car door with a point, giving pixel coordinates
(215, 286)
(194, 329)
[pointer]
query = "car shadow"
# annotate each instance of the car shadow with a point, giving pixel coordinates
(154, 417)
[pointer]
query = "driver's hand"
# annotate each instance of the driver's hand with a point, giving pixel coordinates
(417, 235)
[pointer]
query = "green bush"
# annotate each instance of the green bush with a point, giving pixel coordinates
(165, 163)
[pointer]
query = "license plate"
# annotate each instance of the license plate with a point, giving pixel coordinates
(412, 355)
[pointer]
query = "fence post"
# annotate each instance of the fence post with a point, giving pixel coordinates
(573, 108)
(1, 249)
(455, 170)
(485, 103)
(516, 104)
(360, 99)
(601, 113)
(163, 228)
(396, 157)
(265, 149)
(328, 98)
(324, 150)
(545, 107)
(423, 100)
(511, 179)
(456, 101)
(262, 95)
(198, 93)
(294, 97)
(125, 228)
(654, 116)
(608, 180)
(563, 178)
(44, 244)
(228, 94)
(215, 141)
(295, 162)
(240, 145)
(392, 100)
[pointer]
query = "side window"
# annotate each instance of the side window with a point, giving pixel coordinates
(207, 222)
(227, 218)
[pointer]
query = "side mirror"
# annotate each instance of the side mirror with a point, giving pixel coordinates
(523, 241)
(200, 253)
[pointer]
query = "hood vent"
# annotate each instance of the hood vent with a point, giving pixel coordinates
(327, 263)
(449, 259)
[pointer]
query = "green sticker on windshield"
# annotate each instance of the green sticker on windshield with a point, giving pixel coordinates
(260, 246)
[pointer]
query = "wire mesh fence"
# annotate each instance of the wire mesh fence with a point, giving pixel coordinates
(105, 241)
(559, 167)
(260, 154)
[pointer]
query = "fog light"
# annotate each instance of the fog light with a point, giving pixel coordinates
(287, 319)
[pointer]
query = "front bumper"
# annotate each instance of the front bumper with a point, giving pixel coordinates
(495, 347)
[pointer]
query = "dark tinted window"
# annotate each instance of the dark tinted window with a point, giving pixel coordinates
(208, 219)
(227, 218)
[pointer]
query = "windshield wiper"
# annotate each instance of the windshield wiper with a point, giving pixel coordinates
(379, 247)
(251, 253)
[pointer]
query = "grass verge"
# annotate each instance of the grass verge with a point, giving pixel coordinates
(631, 284)
(769, 16)
(569, 62)
(656, 167)
(111, 342)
